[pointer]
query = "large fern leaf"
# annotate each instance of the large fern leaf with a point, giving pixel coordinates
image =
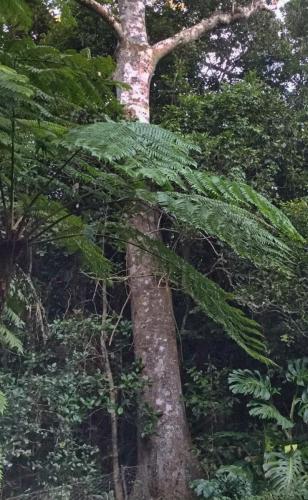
(3, 404)
(141, 151)
(10, 340)
(231, 224)
(67, 230)
(148, 152)
(242, 194)
(212, 299)
(15, 12)
(13, 85)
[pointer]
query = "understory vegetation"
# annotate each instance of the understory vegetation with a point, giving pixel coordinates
(223, 167)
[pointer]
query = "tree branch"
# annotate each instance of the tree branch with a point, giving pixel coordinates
(104, 11)
(217, 19)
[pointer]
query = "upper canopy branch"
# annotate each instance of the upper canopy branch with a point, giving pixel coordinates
(105, 12)
(195, 32)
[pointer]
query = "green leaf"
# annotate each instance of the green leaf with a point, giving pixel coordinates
(297, 371)
(9, 339)
(250, 383)
(15, 12)
(235, 226)
(137, 150)
(284, 471)
(269, 412)
(212, 299)
(242, 194)
(3, 402)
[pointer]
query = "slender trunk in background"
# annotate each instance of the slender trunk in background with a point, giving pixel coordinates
(6, 272)
(113, 393)
(165, 459)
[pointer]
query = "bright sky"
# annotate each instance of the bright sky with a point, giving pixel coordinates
(281, 5)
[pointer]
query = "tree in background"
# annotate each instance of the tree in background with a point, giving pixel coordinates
(152, 311)
(171, 204)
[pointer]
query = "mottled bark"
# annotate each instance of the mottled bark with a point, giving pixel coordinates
(164, 457)
(135, 67)
(165, 460)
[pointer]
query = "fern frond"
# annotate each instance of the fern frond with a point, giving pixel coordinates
(242, 194)
(232, 225)
(250, 383)
(15, 12)
(10, 316)
(91, 255)
(148, 152)
(8, 339)
(212, 299)
(141, 151)
(269, 412)
(13, 85)
(71, 232)
(3, 405)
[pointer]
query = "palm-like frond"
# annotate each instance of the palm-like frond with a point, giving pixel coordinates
(250, 383)
(143, 153)
(212, 299)
(29, 98)
(53, 223)
(13, 85)
(269, 412)
(241, 194)
(91, 255)
(62, 80)
(231, 224)
(140, 151)
(8, 339)
(15, 12)
(10, 317)
(233, 212)
(3, 405)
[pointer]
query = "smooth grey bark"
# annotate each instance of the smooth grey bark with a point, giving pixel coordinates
(164, 457)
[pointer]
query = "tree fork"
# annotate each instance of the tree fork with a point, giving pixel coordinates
(165, 459)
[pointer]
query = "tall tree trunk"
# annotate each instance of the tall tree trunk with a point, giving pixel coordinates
(164, 457)
(165, 460)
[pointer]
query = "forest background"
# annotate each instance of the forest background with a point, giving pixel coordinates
(71, 384)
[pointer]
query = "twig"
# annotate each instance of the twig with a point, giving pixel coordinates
(119, 319)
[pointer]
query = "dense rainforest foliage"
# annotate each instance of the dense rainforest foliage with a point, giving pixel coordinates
(223, 170)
